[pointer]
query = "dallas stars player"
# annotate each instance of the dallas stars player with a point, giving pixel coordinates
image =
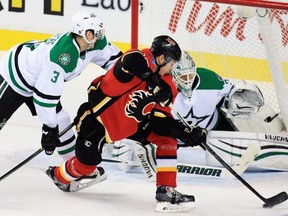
(202, 94)
(34, 73)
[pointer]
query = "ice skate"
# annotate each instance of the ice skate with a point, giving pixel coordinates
(60, 185)
(170, 200)
(97, 176)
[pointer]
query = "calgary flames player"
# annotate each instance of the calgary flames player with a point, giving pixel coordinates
(132, 101)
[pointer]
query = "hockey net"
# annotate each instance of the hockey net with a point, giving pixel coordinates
(254, 49)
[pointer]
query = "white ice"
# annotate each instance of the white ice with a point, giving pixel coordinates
(28, 191)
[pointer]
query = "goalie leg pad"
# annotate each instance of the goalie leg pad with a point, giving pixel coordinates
(146, 157)
(236, 148)
(123, 150)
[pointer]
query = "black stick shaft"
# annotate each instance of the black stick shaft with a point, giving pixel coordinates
(33, 155)
(269, 202)
(233, 172)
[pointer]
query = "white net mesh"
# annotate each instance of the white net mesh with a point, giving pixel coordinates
(220, 40)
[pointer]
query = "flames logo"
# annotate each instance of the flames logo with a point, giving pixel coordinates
(140, 105)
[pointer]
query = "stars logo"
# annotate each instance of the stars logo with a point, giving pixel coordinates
(190, 118)
(64, 59)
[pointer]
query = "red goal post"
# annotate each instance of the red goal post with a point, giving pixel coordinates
(219, 38)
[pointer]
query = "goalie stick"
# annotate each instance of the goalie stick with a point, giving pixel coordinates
(222, 173)
(33, 155)
(268, 202)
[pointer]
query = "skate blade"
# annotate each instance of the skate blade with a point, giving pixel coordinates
(84, 183)
(168, 207)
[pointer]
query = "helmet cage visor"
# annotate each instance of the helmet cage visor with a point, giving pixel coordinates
(184, 73)
(99, 34)
(184, 79)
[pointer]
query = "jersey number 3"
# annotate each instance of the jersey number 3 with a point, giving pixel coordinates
(55, 78)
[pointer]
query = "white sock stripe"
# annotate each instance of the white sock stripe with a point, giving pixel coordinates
(166, 162)
(65, 174)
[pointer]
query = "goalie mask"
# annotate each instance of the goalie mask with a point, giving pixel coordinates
(83, 21)
(184, 73)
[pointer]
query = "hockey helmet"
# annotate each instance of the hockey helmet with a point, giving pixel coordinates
(184, 73)
(83, 21)
(165, 45)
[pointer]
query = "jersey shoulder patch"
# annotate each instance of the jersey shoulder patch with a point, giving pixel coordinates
(65, 53)
(209, 79)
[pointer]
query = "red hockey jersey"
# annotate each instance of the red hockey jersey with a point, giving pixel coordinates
(124, 101)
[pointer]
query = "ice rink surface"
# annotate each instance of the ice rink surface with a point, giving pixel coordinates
(29, 192)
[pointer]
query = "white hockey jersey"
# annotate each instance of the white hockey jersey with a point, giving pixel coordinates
(40, 68)
(209, 93)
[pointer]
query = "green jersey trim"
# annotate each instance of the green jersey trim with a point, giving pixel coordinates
(49, 105)
(12, 74)
(67, 150)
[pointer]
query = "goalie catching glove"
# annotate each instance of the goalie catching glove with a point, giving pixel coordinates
(191, 137)
(245, 100)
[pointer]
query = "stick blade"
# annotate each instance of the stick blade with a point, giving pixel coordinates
(275, 200)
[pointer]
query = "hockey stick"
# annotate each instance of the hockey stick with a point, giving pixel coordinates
(268, 202)
(33, 155)
(222, 173)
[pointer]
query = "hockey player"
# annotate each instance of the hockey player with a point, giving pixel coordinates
(202, 94)
(129, 98)
(34, 73)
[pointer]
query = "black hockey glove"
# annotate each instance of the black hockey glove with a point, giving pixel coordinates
(49, 139)
(160, 89)
(193, 137)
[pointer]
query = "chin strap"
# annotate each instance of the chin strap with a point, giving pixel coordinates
(90, 42)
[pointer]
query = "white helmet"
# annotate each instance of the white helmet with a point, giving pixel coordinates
(83, 21)
(184, 73)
